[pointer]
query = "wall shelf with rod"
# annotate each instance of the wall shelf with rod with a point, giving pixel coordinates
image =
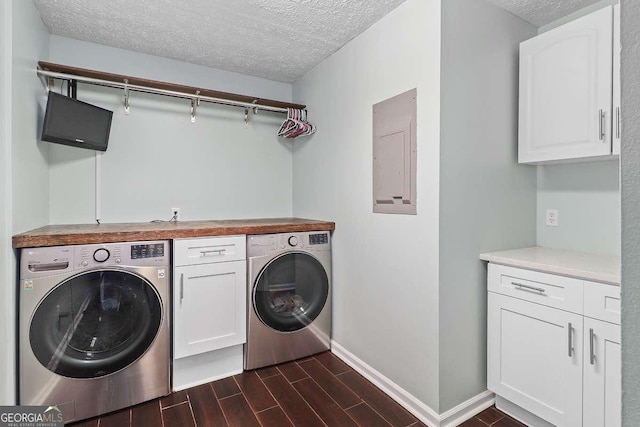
(51, 71)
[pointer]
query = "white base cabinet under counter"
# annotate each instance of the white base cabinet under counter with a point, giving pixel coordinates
(553, 345)
(209, 308)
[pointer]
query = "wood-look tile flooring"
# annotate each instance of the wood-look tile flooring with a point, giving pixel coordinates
(315, 391)
(492, 417)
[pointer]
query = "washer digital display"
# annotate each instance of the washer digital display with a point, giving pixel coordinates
(147, 251)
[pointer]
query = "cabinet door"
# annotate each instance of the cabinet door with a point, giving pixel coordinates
(602, 374)
(565, 91)
(616, 124)
(535, 358)
(209, 307)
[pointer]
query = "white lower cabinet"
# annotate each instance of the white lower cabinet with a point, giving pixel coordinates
(545, 355)
(535, 358)
(602, 374)
(209, 309)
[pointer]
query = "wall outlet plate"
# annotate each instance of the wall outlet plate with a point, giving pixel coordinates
(175, 214)
(552, 218)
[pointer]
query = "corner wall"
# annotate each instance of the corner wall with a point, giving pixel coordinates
(385, 267)
(630, 161)
(487, 200)
(216, 168)
(7, 274)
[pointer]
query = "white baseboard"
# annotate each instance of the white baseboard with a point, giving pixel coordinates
(424, 413)
(467, 410)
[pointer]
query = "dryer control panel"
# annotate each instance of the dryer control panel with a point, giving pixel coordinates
(268, 244)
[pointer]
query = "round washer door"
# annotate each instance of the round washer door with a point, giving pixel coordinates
(95, 324)
(290, 292)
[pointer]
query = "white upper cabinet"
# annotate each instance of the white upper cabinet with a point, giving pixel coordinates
(566, 83)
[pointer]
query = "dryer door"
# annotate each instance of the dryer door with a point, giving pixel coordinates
(95, 323)
(290, 291)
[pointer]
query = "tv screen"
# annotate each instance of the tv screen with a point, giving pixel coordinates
(78, 124)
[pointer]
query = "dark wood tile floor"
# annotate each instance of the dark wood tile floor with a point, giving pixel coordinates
(492, 417)
(315, 391)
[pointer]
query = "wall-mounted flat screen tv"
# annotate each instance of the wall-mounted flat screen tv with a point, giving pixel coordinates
(76, 123)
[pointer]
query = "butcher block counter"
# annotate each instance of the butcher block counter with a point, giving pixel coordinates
(58, 235)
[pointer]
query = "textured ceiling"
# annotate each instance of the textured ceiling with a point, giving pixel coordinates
(542, 12)
(275, 39)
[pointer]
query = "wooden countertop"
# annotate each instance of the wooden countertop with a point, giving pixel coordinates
(58, 235)
(600, 268)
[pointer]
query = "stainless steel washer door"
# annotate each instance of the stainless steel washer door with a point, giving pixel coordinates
(290, 292)
(95, 323)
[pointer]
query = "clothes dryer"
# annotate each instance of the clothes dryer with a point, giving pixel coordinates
(289, 307)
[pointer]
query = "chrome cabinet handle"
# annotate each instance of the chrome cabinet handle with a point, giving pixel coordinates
(617, 122)
(602, 125)
(213, 251)
(203, 277)
(592, 354)
(522, 286)
(570, 339)
(181, 287)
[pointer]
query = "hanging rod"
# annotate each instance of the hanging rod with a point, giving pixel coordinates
(128, 83)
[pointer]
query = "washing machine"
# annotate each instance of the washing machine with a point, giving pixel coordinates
(94, 333)
(289, 308)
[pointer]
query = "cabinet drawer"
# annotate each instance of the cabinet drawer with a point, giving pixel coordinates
(559, 292)
(209, 250)
(602, 302)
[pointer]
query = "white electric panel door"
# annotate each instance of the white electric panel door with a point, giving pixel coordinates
(394, 154)
(566, 91)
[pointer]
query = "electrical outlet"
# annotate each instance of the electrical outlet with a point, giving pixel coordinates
(175, 214)
(552, 217)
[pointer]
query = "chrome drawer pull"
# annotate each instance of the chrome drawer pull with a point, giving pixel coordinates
(570, 339)
(529, 287)
(213, 251)
(592, 354)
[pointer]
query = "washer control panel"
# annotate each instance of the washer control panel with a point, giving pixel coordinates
(47, 261)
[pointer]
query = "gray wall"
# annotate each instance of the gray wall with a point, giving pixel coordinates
(487, 200)
(587, 196)
(630, 164)
(157, 159)
(30, 43)
(6, 255)
(23, 160)
(385, 270)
